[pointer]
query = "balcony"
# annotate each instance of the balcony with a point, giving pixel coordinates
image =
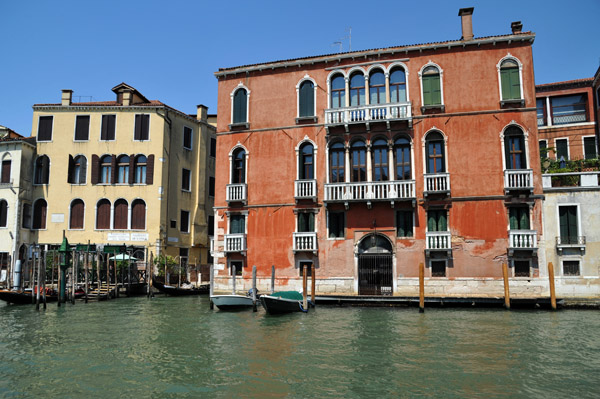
(235, 242)
(305, 190)
(236, 193)
(370, 191)
(437, 183)
(522, 240)
(570, 242)
(367, 114)
(438, 241)
(518, 180)
(305, 242)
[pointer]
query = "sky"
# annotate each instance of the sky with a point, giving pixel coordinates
(169, 50)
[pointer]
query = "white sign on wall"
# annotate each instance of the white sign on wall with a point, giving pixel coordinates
(139, 236)
(58, 218)
(173, 239)
(117, 237)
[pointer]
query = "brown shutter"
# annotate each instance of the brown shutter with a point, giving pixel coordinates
(6, 171)
(43, 211)
(3, 213)
(138, 127)
(113, 169)
(131, 168)
(121, 215)
(76, 221)
(70, 178)
(82, 170)
(138, 215)
(95, 169)
(103, 214)
(82, 127)
(150, 169)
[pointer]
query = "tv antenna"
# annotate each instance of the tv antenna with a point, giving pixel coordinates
(347, 37)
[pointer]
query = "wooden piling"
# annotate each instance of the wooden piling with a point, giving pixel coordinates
(74, 269)
(233, 273)
(313, 285)
(304, 286)
(254, 288)
(421, 287)
(272, 279)
(44, 282)
(115, 273)
(151, 271)
(87, 267)
(211, 285)
(506, 288)
(39, 276)
(552, 289)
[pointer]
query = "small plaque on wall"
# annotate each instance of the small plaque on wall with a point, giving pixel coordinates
(58, 218)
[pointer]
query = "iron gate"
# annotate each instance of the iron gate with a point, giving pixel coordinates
(375, 274)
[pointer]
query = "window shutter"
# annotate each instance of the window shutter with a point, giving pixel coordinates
(138, 128)
(505, 83)
(443, 221)
(524, 223)
(145, 127)
(82, 125)
(431, 221)
(333, 225)
(131, 169)
(3, 213)
(43, 211)
(572, 216)
(45, 128)
(6, 171)
(95, 169)
(515, 86)
(564, 222)
(113, 169)
(427, 100)
(150, 169)
(104, 128)
(70, 177)
(513, 220)
(436, 92)
(46, 170)
(83, 170)
(589, 144)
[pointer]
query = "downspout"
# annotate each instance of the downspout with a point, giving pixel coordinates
(165, 116)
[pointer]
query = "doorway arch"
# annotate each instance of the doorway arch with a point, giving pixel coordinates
(375, 265)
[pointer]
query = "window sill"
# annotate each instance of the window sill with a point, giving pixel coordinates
(81, 141)
(78, 184)
(103, 141)
(239, 126)
(306, 120)
(186, 191)
(187, 149)
(70, 229)
(336, 238)
(517, 103)
(433, 109)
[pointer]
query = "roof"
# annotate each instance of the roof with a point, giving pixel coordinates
(522, 36)
(586, 82)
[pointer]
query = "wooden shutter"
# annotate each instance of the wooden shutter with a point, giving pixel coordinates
(103, 215)
(82, 169)
(70, 177)
(45, 128)
(150, 169)
(513, 219)
(524, 219)
(138, 215)
(302, 222)
(505, 83)
(120, 221)
(436, 91)
(138, 128)
(108, 127)
(76, 220)
(515, 85)
(306, 99)
(113, 169)
(45, 169)
(82, 127)
(589, 144)
(131, 169)
(95, 169)
(427, 99)
(3, 213)
(6, 171)
(431, 221)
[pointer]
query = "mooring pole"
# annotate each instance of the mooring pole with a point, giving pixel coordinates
(272, 279)
(552, 290)
(211, 285)
(233, 272)
(44, 283)
(74, 269)
(87, 267)
(421, 287)
(147, 273)
(313, 285)
(254, 288)
(305, 286)
(151, 271)
(506, 288)
(39, 276)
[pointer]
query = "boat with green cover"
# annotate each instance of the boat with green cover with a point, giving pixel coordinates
(283, 302)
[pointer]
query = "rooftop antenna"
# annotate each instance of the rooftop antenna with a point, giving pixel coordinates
(337, 44)
(349, 37)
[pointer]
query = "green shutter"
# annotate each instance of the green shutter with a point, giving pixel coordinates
(568, 223)
(515, 85)
(513, 219)
(443, 221)
(505, 81)
(431, 222)
(427, 98)
(436, 92)
(524, 219)
(564, 222)
(572, 212)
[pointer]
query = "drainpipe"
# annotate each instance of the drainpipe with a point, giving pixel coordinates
(166, 118)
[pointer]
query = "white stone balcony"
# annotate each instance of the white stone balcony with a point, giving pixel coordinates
(518, 180)
(438, 240)
(437, 183)
(305, 241)
(370, 191)
(235, 242)
(236, 193)
(305, 189)
(522, 239)
(368, 113)
(570, 242)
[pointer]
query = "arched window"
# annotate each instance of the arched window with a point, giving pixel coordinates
(6, 164)
(397, 86)
(105, 169)
(306, 99)
(42, 170)
(138, 215)
(380, 160)
(402, 158)
(357, 89)
(240, 106)
(434, 146)
(140, 169)
(338, 92)
(432, 92)
(123, 169)
(121, 213)
(307, 167)
(336, 163)
(377, 87)
(78, 169)
(238, 167)
(358, 159)
(3, 213)
(514, 148)
(40, 209)
(510, 82)
(77, 214)
(103, 214)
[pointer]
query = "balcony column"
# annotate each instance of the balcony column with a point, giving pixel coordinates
(548, 113)
(367, 92)
(347, 170)
(387, 88)
(347, 96)
(391, 172)
(369, 162)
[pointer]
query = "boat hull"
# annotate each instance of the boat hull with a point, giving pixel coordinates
(23, 298)
(176, 291)
(231, 302)
(277, 305)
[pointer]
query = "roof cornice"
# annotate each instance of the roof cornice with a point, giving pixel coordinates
(298, 62)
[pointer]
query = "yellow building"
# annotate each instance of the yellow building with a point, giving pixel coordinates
(132, 172)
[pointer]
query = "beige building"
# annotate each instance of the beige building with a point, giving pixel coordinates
(132, 172)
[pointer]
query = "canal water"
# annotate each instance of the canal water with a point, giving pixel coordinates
(177, 347)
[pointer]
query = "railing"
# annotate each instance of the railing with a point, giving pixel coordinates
(518, 179)
(366, 113)
(304, 189)
(366, 191)
(305, 241)
(570, 241)
(236, 192)
(438, 240)
(570, 180)
(575, 117)
(235, 242)
(437, 182)
(212, 245)
(522, 239)
(541, 121)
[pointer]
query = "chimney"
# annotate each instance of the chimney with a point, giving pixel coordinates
(202, 113)
(67, 95)
(467, 23)
(126, 98)
(516, 27)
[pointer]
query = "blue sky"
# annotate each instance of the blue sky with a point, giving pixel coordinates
(169, 50)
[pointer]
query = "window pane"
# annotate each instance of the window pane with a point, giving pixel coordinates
(82, 127)
(108, 127)
(562, 149)
(589, 144)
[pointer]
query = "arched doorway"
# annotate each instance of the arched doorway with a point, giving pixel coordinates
(375, 276)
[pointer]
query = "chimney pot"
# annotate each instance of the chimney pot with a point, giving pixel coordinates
(516, 27)
(66, 97)
(466, 20)
(202, 113)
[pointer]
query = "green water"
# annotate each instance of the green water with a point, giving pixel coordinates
(178, 347)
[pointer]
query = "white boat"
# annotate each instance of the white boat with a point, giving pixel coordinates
(232, 301)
